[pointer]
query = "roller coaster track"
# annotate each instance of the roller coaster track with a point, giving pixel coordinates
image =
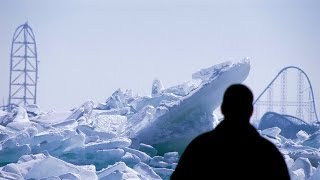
(281, 100)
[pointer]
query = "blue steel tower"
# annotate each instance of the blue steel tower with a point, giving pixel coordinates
(23, 67)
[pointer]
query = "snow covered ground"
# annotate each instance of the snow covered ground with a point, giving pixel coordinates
(138, 137)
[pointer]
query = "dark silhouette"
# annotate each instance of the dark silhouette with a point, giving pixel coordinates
(234, 149)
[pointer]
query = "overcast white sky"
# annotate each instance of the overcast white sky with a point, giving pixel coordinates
(88, 49)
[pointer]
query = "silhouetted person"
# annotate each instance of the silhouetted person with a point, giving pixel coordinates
(234, 149)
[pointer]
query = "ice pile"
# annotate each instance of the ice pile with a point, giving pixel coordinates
(174, 116)
(67, 148)
(138, 137)
(297, 140)
(127, 137)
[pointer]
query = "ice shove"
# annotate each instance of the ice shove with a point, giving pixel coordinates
(302, 160)
(139, 137)
(175, 123)
(113, 131)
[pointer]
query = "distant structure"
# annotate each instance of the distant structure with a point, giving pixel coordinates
(23, 67)
(288, 96)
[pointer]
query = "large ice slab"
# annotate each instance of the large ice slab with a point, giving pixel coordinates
(174, 125)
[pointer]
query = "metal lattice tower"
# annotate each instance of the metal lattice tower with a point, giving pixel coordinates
(270, 99)
(288, 96)
(284, 91)
(23, 67)
(300, 86)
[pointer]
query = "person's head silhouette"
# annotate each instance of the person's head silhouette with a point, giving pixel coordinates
(237, 103)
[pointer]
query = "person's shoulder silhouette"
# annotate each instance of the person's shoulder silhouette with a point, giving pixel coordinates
(234, 149)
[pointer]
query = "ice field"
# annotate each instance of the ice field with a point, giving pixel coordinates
(130, 136)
